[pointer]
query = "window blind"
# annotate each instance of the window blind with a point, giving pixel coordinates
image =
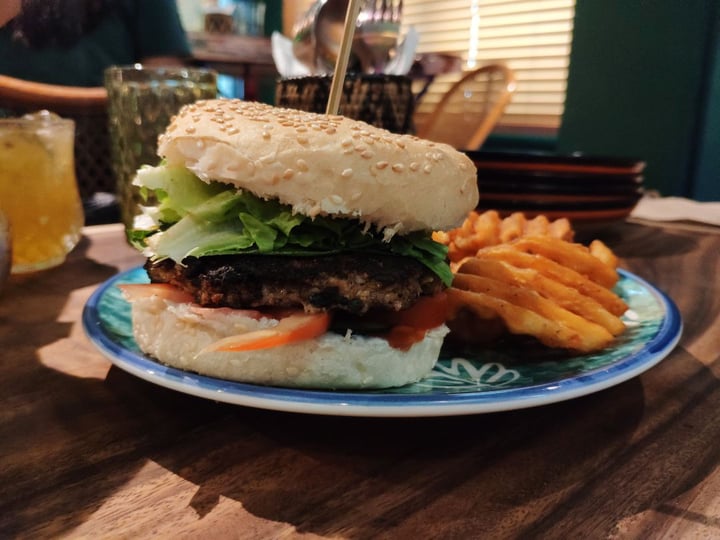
(532, 37)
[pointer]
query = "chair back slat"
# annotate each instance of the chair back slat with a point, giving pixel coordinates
(471, 107)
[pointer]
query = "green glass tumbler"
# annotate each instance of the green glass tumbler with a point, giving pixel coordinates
(142, 101)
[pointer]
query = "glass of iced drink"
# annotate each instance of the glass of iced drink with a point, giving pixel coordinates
(38, 190)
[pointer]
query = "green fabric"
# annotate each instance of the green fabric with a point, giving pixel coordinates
(139, 29)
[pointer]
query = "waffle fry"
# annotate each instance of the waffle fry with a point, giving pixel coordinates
(538, 285)
(561, 274)
(538, 319)
(564, 296)
(575, 256)
(480, 230)
(601, 251)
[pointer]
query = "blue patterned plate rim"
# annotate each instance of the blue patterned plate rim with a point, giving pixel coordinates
(643, 353)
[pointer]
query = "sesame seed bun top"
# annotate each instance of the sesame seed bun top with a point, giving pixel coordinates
(321, 164)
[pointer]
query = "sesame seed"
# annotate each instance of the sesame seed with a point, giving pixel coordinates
(398, 167)
(414, 166)
(427, 168)
(190, 129)
(302, 140)
(346, 143)
(347, 173)
(233, 131)
(265, 135)
(381, 164)
(302, 165)
(367, 154)
(288, 174)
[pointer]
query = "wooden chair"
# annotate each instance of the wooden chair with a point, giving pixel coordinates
(87, 107)
(468, 111)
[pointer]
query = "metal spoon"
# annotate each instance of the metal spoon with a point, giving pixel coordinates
(377, 34)
(318, 35)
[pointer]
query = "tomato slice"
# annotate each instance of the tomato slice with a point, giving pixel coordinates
(409, 325)
(403, 337)
(136, 291)
(291, 329)
(428, 312)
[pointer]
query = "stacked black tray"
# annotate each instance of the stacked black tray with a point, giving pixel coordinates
(579, 187)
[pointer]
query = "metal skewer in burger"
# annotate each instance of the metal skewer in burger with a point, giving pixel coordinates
(294, 249)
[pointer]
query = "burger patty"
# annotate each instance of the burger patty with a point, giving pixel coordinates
(350, 282)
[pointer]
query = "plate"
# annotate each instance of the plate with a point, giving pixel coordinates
(500, 186)
(482, 381)
(536, 203)
(549, 161)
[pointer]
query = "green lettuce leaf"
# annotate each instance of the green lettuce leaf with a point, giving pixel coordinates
(195, 218)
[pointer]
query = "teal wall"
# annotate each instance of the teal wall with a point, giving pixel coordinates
(273, 16)
(644, 82)
(707, 173)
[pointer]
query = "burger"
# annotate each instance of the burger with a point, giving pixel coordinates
(294, 249)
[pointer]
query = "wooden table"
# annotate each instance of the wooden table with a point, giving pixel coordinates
(89, 451)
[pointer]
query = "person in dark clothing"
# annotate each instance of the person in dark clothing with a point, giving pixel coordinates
(71, 42)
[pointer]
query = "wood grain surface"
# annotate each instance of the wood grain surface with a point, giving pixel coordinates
(89, 451)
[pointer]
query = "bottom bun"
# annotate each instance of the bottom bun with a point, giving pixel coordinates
(175, 333)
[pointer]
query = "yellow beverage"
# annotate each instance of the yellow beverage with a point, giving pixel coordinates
(38, 191)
